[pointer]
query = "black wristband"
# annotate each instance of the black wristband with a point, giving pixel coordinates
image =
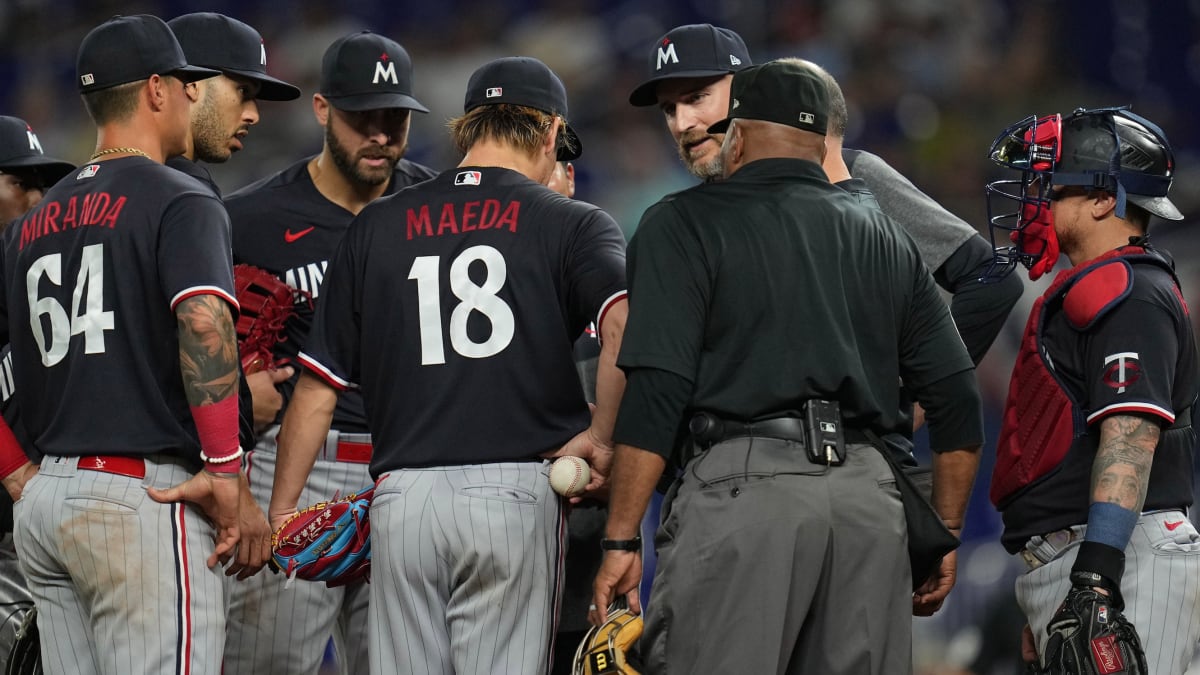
(634, 544)
(1101, 559)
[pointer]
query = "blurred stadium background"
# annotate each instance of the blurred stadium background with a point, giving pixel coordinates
(930, 83)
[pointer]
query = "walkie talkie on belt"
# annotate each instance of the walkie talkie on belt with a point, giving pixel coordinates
(826, 442)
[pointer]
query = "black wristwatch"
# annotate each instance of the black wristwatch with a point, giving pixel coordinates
(634, 544)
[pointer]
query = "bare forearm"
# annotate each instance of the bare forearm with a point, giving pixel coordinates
(1121, 470)
(610, 380)
(635, 473)
(302, 435)
(953, 477)
(208, 354)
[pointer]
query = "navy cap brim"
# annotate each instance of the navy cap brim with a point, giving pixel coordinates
(565, 154)
(719, 126)
(360, 102)
(53, 168)
(193, 73)
(272, 89)
(647, 92)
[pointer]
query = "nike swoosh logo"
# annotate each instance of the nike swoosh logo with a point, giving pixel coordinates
(1172, 526)
(290, 237)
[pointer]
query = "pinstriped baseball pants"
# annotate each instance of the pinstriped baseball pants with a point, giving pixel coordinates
(1161, 586)
(466, 570)
(120, 581)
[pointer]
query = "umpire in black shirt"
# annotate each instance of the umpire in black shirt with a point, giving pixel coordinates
(750, 298)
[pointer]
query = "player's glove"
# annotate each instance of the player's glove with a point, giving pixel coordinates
(328, 541)
(607, 648)
(1089, 635)
(266, 303)
(25, 656)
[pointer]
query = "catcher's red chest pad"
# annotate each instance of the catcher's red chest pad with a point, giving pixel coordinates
(1039, 422)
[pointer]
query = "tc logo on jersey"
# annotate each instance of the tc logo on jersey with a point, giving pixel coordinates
(467, 178)
(493, 92)
(1121, 370)
(666, 54)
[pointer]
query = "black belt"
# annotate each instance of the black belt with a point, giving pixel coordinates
(709, 429)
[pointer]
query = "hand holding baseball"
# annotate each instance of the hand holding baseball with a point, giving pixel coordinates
(569, 476)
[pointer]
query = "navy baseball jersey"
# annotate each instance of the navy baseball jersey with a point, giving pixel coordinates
(91, 278)
(1111, 337)
(284, 225)
(460, 299)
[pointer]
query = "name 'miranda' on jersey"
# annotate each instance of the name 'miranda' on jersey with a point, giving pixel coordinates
(466, 217)
(99, 208)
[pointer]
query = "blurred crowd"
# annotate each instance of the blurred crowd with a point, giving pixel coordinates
(929, 83)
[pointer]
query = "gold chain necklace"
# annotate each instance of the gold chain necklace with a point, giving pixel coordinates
(113, 151)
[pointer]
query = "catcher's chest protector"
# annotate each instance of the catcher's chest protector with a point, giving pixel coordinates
(1041, 416)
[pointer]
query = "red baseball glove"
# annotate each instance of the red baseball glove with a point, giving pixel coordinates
(328, 541)
(266, 303)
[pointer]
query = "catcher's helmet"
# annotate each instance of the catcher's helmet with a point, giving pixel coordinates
(1109, 149)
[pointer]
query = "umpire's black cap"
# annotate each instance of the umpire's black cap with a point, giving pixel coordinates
(20, 149)
(366, 71)
(130, 48)
(218, 41)
(524, 81)
(784, 91)
(694, 50)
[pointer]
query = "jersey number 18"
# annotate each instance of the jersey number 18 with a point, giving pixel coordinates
(475, 298)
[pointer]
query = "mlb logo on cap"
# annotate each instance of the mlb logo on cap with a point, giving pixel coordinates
(493, 92)
(87, 79)
(467, 178)
(808, 118)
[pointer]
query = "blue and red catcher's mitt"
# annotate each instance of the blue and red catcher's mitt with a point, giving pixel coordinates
(328, 541)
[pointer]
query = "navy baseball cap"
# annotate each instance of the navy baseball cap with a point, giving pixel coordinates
(130, 48)
(783, 92)
(694, 50)
(366, 71)
(218, 41)
(20, 149)
(524, 81)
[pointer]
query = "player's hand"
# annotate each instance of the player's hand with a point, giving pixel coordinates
(15, 481)
(279, 516)
(928, 598)
(620, 574)
(599, 456)
(1028, 646)
(218, 495)
(254, 547)
(265, 394)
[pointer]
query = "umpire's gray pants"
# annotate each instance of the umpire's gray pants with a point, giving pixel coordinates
(768, 563)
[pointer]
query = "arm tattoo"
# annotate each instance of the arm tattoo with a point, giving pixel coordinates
(1121, 470)
(208, 354)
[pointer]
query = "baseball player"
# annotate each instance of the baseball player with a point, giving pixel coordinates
(690, 69)
(118, 294)
(226, 108)
(452, 307)
(1093, 470)
(25, 174)
(781, 395)
(585, 519)
(290, 224)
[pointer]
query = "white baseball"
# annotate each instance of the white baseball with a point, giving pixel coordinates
(569, 475)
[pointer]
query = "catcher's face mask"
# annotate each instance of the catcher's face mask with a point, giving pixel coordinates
(1019, 209)
(1102, 149)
